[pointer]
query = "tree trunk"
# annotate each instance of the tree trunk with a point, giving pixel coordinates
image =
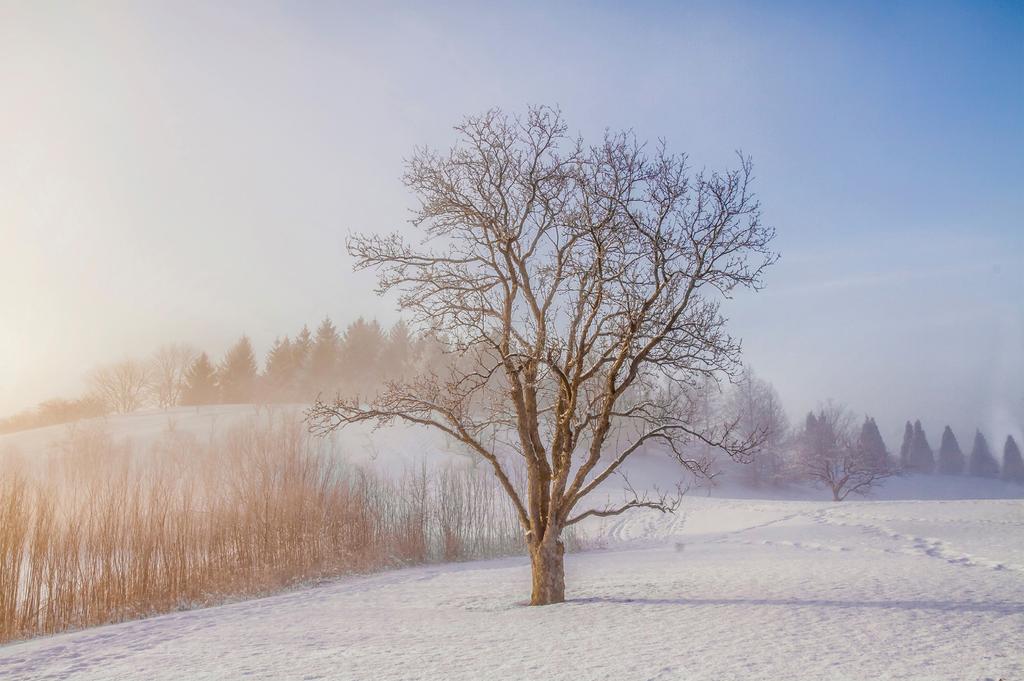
(548, 564)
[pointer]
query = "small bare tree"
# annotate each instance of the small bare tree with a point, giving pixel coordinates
(756, 408)
(579, 287)
(829, 452)
(168, 369)
(121, 386)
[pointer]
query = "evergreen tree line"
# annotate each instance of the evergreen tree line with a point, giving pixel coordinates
(865, 456)
(916, 455)
(831, 449)
(299, 368)
(302, 367)
(296, 369)
(832, 446)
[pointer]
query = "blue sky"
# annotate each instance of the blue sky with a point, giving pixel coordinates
(177, 171)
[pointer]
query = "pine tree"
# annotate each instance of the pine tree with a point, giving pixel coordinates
(200, 382)
(810, 425)
(951, 459)
(398, 357)
(302, 347)
(1013, 465)
(325, 359)
(360, 356)
(237, 374)
(279, 372)
(982, 463)
(908, 437)
(922, 460)
(872, 445)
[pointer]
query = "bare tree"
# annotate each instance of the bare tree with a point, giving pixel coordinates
(168, 370)
(829, 452)
(580, 286)
(756, 408)
(121, 386)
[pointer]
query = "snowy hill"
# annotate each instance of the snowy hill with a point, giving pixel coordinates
(141, 429)
(923, 581)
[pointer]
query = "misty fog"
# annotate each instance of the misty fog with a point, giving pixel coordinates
(352, 340)
(164, 191)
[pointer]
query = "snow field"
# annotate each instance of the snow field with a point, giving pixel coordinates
(925, 583)
(743, 589)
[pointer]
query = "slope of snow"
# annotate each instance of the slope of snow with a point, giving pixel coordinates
(924, 581)
(726, 589)
(395, 447)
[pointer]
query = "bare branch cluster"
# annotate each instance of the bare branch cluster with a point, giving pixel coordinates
(168, 370)
(121, 386)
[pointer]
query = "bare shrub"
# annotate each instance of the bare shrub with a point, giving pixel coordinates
(106, 532)
(121, 386)
(168, 369)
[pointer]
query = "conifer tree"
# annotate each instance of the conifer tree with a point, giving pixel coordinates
(325, 359)
(360, 356)
(398, 358)
(200, 382)
(922, 460)
(908, 437)
(237, 374)
(279, 372)
(951, 459)
(302, 348)
(872, 445)
(982, 463)
(1013, 465)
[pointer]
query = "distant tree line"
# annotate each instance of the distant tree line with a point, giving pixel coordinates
(50, 412)
(299, 369)
(917, 456)
(831, 451)
(295, 369)
(829, 448)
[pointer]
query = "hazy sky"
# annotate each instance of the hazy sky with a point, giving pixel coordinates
(174, 171)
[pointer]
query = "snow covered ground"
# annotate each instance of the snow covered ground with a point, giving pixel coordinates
(926, 581)
(740, 589)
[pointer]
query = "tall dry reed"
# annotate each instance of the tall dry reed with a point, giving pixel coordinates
(105, 532)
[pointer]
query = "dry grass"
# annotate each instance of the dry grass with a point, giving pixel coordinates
(105, 533)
